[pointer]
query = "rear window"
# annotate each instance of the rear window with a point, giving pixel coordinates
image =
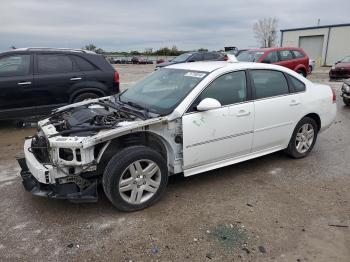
(298, 54)
(83, 64)
(250, 56)
(298, 86)
(52, 63)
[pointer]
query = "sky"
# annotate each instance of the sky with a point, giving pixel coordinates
(125, 25)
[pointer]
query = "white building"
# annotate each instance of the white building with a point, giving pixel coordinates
(326, 44)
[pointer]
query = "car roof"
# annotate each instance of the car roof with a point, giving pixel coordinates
(210, 66)
(48, 49)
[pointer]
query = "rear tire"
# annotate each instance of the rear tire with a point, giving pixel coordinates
(135, 178)
(303, 138)
(346, 101)
(84, 96)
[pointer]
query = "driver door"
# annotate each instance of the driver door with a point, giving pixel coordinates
(210, 138)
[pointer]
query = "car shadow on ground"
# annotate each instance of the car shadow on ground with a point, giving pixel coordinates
(178, 186)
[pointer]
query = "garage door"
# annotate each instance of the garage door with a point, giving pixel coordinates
(313, 46)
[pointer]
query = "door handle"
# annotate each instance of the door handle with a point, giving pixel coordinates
(294, 103)
(75, 78)
(243, 113)
(24, 83)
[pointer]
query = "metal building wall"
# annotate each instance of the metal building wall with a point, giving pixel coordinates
(336, 41)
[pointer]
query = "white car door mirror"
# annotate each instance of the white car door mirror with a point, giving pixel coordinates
(208, 104)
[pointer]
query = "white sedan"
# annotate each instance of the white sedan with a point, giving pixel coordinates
(183, 119)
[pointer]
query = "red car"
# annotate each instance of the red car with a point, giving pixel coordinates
(341, 69)
(291, 57)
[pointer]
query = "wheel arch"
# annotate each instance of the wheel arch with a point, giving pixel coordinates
(317, 119)
(146, 138)
(94, 90)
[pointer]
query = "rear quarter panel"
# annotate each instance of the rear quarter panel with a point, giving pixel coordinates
(319, 99)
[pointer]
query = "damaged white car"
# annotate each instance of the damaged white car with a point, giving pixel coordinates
(182, 119)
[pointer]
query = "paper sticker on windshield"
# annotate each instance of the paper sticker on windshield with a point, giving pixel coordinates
(195, 74)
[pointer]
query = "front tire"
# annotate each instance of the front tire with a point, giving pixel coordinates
(135, 178)
(301, 72)
(303, 138)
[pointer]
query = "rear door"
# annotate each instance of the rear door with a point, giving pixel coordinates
(54, 76)
(277, 109)
(16, 76)
(286, 59)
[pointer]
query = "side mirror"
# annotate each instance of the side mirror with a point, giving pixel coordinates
(208, 104)
(266, 61)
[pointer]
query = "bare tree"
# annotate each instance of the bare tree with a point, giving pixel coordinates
(265, 31)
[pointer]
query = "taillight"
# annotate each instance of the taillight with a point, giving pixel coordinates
(334, 99)
(116, 78)
(225, 58)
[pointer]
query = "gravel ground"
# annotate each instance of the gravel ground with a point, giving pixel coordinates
(269, 209)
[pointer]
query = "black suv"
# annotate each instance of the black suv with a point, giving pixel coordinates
(33, 81)
(194, 57)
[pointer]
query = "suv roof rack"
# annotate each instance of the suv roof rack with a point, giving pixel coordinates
(55, 49)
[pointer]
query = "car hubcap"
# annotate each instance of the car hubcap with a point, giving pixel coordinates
(139, 181)
(305, 138)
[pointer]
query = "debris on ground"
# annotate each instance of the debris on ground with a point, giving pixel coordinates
(208, 255)
(337, 225)
(71, 245)
(230, 237)
(155, 250)
(262, 249)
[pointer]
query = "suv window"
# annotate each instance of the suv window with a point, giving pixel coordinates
(298, 54)
(82, 64)
(285, 55)
(298, 86)
(228, 89)
(54, 63)
(196, 57)
(269, 83)
(272, 57)
(208, 56)
(15, 65)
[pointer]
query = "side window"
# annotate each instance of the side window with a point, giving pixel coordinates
(298, 86)
(15, 65)
(83, 64)
(228, 89)
(298, 54)
(272, 57)
(54, 63)
(269, 83)
(196, 57)
(285, 55)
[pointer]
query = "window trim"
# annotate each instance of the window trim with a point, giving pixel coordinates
(269, 97)
(248, 87)
(31, 63)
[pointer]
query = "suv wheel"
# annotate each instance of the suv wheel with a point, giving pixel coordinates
(303, 138)
(84, 96)
(135, 178)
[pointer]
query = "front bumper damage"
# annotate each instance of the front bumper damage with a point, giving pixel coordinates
(37, 179)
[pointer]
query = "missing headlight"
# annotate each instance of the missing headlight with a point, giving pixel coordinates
(66, 154)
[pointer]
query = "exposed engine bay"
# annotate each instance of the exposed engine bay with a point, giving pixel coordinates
(88, 119)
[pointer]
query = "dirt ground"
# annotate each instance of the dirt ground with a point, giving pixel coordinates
(269, 209)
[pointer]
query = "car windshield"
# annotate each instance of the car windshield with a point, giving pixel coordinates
(249, 56)
(163, 90)
(182, 58)
(346, 59)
